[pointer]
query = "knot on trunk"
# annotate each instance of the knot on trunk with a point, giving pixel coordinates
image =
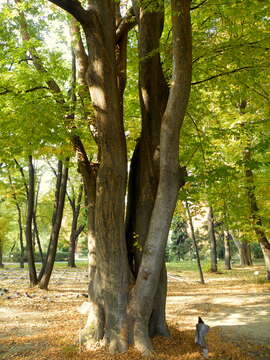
(145, 273)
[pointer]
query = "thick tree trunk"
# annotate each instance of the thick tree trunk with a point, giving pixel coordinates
(212, 240)
(56, 225)
(171, 178)
(144, 173)
(195, 244)
(110, 283)
(111, 280)
(29, 221)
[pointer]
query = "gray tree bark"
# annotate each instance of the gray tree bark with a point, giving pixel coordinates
(110, 281)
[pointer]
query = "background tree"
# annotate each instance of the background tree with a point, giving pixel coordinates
(75, 204)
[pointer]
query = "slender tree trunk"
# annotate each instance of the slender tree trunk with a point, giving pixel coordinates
(36, 232)
(72, 245)
(75, 231)
(19, 221)
(1, 254)
(227, 250)
(212, 240)
(38, 239)
(195, 243)
(56, 225)
(20, 236)
(59, 176)
(29, 221)
(254, 212)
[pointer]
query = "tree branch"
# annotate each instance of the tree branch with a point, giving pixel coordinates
(127, 23)
(25, 91)
(197, 6)
(223, 74)
(23, 177)
(79, 230)
(74, 7)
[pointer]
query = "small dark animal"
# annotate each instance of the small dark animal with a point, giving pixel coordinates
(201, 330)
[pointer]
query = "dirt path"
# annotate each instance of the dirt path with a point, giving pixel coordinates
(39, 325)
(241, 313)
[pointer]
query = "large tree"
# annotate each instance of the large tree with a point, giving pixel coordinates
(121, 317)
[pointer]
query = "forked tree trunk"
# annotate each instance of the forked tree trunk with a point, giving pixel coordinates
(212, 240)
(56, 225)
(75, 230)
(75, 233)
(110, 279)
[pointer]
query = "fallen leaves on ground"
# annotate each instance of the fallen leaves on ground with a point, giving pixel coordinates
(45, 324)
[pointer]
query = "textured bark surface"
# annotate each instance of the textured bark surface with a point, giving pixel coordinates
(111, 280)
(144, 171)
(105, 34)
(171, 178)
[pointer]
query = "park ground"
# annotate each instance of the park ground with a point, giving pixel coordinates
(37, 324)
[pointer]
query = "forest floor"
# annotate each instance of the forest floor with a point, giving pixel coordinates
(36, 324)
